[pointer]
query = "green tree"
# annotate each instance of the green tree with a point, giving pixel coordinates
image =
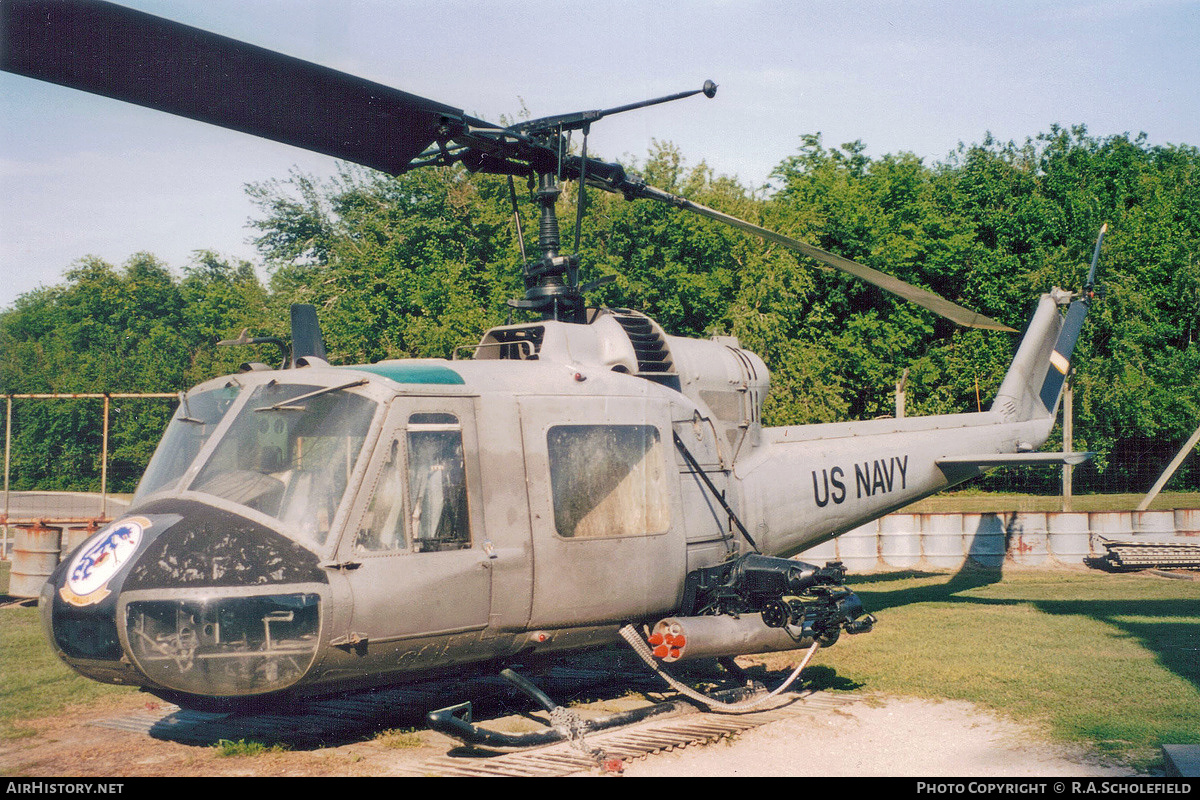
(410, 266)
(118, 330)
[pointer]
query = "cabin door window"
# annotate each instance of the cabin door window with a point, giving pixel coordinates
(420, 497)
(437, 483)
(607, 480)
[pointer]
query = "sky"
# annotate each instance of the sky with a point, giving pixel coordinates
(84, 175)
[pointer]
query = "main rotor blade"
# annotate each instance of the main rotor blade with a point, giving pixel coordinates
(922, 297)
(139, 58)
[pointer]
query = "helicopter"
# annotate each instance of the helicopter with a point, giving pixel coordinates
(311, 528)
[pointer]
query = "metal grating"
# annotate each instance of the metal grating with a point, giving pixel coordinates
(625, 744)
(1138, 555)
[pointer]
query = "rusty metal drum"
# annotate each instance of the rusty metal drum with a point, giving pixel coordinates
(36, 551)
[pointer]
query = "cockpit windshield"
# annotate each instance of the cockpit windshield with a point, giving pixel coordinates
(194, 422)
(289, 454)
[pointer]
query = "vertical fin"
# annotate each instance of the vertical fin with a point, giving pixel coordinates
(1034, 382)
(1060, 358)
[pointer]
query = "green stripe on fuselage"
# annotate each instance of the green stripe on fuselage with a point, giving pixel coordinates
(413, 373)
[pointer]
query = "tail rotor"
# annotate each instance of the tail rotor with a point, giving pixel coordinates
(1060, 358)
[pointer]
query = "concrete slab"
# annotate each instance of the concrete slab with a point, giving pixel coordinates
(1183, 760)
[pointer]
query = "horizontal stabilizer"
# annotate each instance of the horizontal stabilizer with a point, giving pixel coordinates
(988, 460)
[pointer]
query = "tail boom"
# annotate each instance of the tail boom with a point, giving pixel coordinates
(810, 483)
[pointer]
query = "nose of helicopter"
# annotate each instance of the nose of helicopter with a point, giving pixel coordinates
(190, 599)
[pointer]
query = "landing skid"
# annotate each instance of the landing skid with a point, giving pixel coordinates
(565, 724)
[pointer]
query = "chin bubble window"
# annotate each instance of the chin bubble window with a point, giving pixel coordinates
(225, 646)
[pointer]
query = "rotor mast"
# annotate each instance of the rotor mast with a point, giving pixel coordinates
(552, 282)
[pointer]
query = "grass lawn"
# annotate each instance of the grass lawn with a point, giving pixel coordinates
(1110, 661)
(33, 681)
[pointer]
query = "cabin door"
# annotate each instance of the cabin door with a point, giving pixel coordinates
(415, 561)
(603, 509)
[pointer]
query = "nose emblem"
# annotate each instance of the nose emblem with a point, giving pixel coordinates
(100, 559)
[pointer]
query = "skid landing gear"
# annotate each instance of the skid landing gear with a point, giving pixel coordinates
(565, 724)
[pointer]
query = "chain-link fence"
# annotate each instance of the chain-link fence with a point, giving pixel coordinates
(1132, 467)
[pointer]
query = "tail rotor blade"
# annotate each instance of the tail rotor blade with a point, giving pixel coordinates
(1060, 358)
(1091, 280)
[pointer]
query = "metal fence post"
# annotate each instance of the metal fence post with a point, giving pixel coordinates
(1068, 435)
(1187, 448)
(7, 450)
(104, 463)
